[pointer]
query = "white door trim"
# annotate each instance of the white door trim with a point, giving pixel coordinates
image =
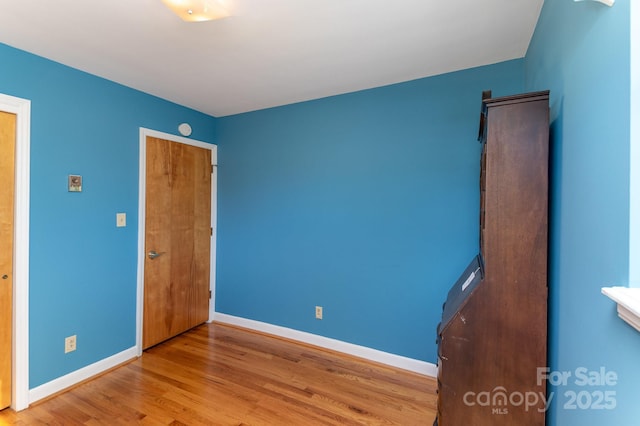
(142, 213)
(20, 355)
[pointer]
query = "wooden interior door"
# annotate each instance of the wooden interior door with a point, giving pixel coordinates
(7, 185)
(177, 239)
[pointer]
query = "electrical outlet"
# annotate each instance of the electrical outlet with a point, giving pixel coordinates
(318, 312)
(70, 344)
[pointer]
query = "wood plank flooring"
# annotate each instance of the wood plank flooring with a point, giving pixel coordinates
(221, 375)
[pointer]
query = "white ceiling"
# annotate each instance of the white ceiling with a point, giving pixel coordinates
(270, 52)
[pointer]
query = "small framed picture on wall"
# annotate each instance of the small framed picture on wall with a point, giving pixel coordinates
(75, 183)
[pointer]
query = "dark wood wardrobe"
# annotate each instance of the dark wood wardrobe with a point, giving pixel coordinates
(492, 341)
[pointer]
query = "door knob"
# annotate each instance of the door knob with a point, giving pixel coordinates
(5, 276)
(153, 254)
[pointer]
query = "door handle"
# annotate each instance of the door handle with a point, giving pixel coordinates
(153, 254)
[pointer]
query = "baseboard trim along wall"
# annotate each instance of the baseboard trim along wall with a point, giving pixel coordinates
(421, 367)
(85, 373)
(398, 361)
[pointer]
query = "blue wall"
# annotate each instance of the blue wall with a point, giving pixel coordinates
(365, 204)
(83, 268)
(581, 52)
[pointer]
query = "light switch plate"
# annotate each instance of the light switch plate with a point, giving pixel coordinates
(121, 220)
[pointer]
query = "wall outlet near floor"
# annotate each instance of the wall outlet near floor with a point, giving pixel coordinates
(70, 344)
(318, 312)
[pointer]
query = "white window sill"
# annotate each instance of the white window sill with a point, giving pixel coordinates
(628, 300)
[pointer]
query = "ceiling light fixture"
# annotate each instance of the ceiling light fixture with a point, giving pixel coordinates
(607, 2)
(198, 10)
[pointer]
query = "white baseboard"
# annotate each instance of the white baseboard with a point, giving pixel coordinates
(410, 364)
(398, 361)
(75, 377)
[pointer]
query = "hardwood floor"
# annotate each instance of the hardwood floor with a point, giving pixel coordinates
(221, 375)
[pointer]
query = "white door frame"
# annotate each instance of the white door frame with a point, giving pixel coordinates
(142, 220)
(20, 343)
